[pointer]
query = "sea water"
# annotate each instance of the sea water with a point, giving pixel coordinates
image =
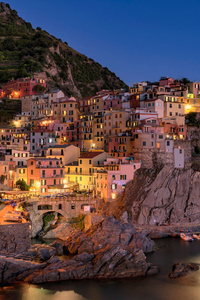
(157, 287)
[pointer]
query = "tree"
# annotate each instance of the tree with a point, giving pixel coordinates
(3, 178)
(39, 88)
(22, 184)
(185, 80)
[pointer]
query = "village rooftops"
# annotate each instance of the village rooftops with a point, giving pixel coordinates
(57, 147)
(44, 159)
(74, 163)
(91, 154)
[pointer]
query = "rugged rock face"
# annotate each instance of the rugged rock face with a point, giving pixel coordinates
(164, 196)
(107, 234)
(110, 249)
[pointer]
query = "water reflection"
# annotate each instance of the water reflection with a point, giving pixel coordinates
(159, 287)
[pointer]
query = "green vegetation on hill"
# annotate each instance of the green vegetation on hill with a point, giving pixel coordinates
(8, 109)
(24, 50)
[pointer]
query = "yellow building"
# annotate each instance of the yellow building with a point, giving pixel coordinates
(192, 105)
(87, 125)
(69, 110)
(83, 171)
(21, 173)
(173, 109)
(115, 122)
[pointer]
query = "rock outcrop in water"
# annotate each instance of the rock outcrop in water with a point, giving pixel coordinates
(110, 249)
(166, 196)
(180, 270)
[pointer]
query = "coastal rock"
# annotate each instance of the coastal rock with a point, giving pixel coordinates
(58, 245)
(116, 250)
(108, 232)
(38, 252)
(179, 270)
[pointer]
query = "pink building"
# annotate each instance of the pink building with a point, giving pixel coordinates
(112, 101)
(175, 130)
(166, 81)
(22, 87)
(46, 175)
(121, 145)
(117, 172)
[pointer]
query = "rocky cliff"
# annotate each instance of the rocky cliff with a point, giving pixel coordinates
(160, 196)
(25, 50)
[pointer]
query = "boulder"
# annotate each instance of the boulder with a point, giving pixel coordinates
(58, 245)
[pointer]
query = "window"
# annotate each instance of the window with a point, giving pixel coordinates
(60, 206)
(50, 153)
(170, 105)
(54, 172)
(144, 143)
(168, 143)
(114, 186)
(54, 181)
(160, 136)
(90, 161)
(80, 161)
(31, 172)
(31, 163)
(179, 106)
(31, 182)
(80, 170)
(113, 177)
(170, 113)
(73, 206)
(80, 178)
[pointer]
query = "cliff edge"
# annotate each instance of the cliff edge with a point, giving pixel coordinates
(160, 196)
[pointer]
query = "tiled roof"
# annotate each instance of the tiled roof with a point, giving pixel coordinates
(91, 154)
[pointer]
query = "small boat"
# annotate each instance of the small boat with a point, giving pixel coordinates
(186, 238)
(196, 236)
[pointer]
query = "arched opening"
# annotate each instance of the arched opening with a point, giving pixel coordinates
(45, 207)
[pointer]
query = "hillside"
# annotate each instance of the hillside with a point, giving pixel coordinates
(8, 109)
(25, 50)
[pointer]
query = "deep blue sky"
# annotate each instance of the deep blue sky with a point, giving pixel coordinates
(138, 40)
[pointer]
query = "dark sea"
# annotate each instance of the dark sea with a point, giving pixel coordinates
(157, 287)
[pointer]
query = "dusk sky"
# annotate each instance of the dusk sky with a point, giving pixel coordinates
(138, 40)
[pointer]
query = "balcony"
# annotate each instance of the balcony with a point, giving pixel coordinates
(49, 167)
(53, 176)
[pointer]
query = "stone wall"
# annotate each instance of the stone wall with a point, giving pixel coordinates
(15, 238)
(156, 157)
(91, 219)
